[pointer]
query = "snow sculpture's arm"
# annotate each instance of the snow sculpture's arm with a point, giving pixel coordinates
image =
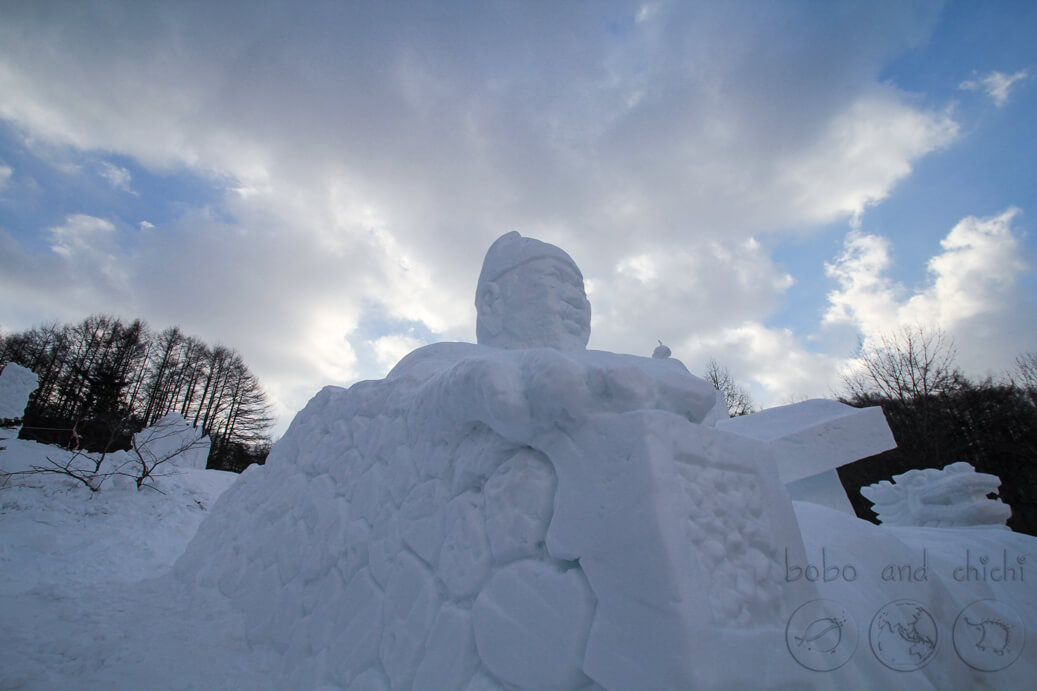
(522, 393)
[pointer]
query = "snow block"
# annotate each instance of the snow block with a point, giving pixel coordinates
(595, 542)
(813, 438)
(679, 528)
(451, 659)
(16, 385)
(531, 624)
(519, 503)
(599, 542)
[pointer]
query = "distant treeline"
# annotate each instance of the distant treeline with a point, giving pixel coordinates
(102, 380)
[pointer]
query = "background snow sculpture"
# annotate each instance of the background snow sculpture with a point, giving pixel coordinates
(16, 385)
(954, 496)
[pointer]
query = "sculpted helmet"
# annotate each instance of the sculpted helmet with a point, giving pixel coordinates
(511, 250)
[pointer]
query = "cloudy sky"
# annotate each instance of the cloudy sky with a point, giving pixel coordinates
(315, 183)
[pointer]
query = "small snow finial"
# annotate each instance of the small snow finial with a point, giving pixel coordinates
(661, 352)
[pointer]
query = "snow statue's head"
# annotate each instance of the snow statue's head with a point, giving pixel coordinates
(530, 295)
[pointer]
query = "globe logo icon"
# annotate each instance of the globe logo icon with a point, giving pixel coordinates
(903, 635)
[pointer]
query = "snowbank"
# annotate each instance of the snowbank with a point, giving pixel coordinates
(84, 593)
(55, 529)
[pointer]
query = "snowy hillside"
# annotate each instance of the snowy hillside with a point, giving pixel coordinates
(82, 587)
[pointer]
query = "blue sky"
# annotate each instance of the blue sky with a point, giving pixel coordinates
(315, 183)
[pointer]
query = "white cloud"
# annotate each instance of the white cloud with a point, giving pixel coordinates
(866, 297)
(996, 85)
(977, 271)
(368, 163)
(772, 361)
(117, 177)
(84, 272)
(676, 294)
(390, 349)
(973, 291)
(862, 154)
(80, 234)
(5, 174)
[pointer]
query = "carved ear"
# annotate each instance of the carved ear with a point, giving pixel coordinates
(488, 308)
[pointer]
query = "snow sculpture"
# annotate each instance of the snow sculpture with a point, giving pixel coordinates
(523, 512)
(527, 513)
(954, 496)
(16, 385)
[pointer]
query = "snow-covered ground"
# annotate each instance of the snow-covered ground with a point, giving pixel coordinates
(84, 595)
(87, 602)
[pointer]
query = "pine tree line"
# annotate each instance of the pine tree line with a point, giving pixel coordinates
(102, 380)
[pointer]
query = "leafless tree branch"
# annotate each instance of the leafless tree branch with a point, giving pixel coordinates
(738, 400)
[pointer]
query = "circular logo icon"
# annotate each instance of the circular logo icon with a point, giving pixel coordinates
(903, 635)
(988, 635)
(821, 635)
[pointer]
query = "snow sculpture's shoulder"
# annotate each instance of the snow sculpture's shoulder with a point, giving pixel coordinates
(665, 383)
(431, 359)
(551, 381)
(434, 358)
(654, 367)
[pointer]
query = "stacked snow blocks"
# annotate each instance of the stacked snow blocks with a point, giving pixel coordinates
(409, 534)
(376, 569)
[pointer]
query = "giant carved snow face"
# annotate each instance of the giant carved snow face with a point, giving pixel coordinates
(540, 304)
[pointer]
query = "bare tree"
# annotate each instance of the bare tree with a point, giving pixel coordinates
(909, 363)
(910, 369)
(150, 456)
(158, 445)
(738, 400)
(80, 466)
(1025, 375)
